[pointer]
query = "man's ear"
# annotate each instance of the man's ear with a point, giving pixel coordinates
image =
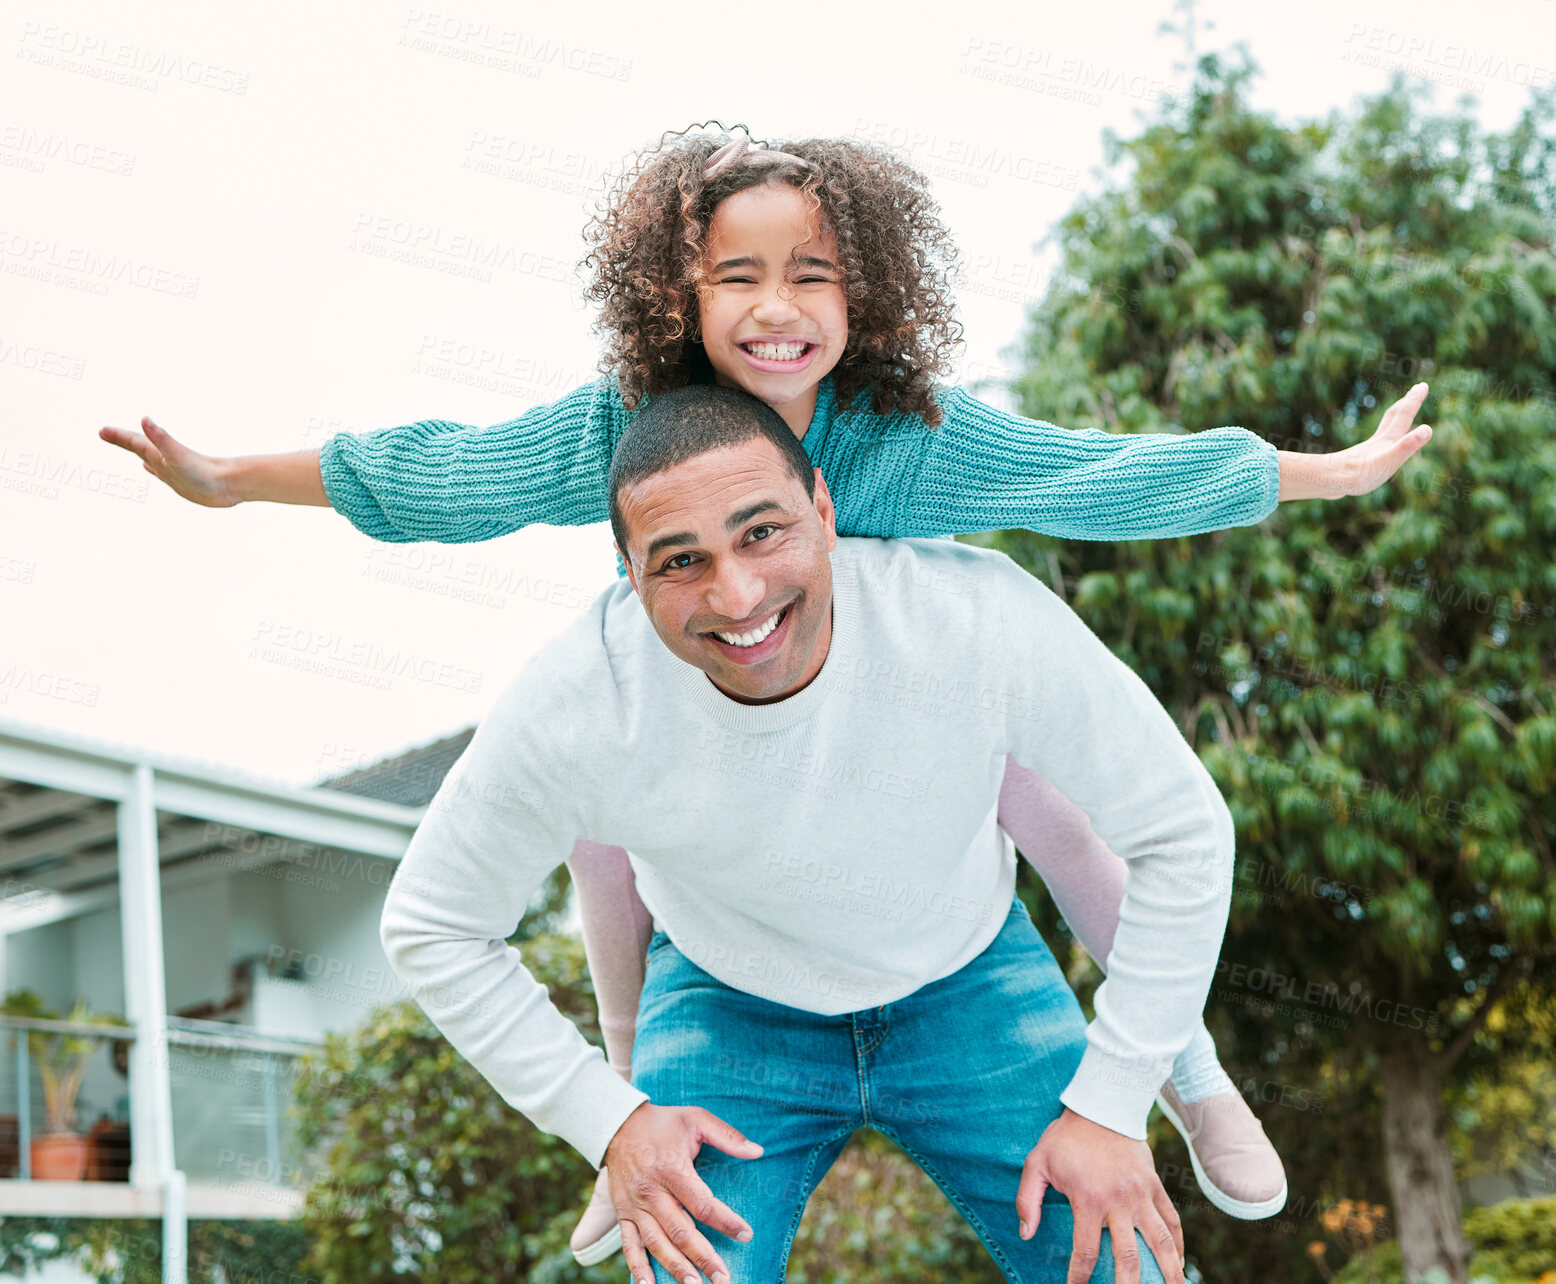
(825, 510)
(631, 578)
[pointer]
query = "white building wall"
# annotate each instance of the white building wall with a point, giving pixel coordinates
(256, 914)
(326, 933)
(43, 959)
(197, 942)
(97, 960)
(97, 976)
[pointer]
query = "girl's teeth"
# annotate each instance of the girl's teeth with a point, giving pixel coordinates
(749, 639)
(776, 351)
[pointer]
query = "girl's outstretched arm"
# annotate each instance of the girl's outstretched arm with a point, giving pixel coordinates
(429, 480)
(292, 478)
(989, 469)
(1362, 467)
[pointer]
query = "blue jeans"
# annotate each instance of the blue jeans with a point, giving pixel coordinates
(964, 1074)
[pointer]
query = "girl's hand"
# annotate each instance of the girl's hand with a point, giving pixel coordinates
(198, 478)
(1360, 468)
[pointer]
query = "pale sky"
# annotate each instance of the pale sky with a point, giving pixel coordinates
(199, 215)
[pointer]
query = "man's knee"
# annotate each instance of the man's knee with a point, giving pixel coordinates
(760, 1258)
(1106, 1271)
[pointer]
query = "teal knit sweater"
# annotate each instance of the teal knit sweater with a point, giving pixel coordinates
(889, 475)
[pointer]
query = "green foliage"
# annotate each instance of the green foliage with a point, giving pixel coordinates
(60, 1058)
(1514, 1243)
(1503, 1109)
(428, 1173)
(129, 1251)
(1371, 682)
(876, 1217)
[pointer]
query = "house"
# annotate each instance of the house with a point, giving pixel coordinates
(233, 921)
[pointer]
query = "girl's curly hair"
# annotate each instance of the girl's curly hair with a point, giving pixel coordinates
(650, 234)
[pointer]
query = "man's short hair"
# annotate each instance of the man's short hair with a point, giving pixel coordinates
(686, 422)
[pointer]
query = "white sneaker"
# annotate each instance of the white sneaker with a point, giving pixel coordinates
(598, 1233)
(1234, 1162)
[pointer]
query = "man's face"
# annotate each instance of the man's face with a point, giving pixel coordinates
(730, 558)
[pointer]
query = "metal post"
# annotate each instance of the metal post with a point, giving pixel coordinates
(23, 1109)
(145, 1001)
(175, 1229)
(272, 1126)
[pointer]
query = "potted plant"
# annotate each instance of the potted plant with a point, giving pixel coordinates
(59, 1153)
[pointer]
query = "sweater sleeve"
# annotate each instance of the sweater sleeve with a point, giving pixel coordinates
(1083, 719)
(502, 820)
(988, 469)
(456, 484)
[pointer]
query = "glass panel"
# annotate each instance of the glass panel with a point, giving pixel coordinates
(230, 1122)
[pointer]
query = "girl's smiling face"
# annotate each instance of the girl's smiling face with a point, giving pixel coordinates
(773, 314)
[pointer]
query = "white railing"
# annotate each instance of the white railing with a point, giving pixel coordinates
(238, 1128)
(241, 1126)
(21, 1026)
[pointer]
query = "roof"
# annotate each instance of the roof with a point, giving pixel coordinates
(61, 824)
(410, 778)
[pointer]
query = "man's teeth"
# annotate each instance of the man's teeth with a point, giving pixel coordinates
(777, 351)
(751, 638)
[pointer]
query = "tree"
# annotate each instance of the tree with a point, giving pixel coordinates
(1371, 682)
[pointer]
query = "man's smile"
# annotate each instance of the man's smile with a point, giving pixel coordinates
(756, 641)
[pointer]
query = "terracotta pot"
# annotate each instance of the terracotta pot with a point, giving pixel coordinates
(59, 1156)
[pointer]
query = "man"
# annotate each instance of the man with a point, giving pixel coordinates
(801, 740)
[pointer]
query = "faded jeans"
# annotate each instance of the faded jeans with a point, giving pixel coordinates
(964, 1074)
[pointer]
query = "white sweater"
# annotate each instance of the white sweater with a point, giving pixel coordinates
(832, 851)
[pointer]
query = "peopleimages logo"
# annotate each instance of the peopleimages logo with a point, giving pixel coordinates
(971, 160)
(1411, 50)
(45, 474)
(1326, 996)
(505, 48)
(52, 686)
(361, 659)
(109, 58)
(37, 148)
(1290, 1095)
(43, 255)
(865, 892)
(389, 236)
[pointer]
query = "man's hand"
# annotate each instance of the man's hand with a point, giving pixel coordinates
(1360, 468)
(1110, 1180)
(654, 1187)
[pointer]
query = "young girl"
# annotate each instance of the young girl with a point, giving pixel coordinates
(815, 275)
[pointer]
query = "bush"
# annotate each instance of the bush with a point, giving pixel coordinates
(129, 1250)
(1514, 1240)
(1514, 1243)
(877, 1217)
(427, 1172)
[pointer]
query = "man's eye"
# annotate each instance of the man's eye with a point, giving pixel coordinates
(757, 532)
(679, 562)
